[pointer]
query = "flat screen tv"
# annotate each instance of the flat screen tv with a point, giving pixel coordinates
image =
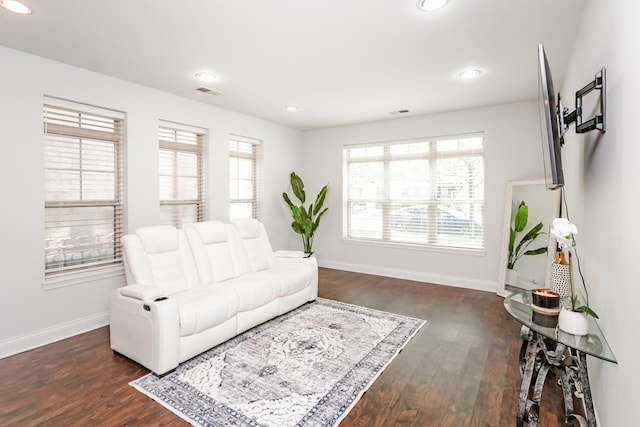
(549, 124)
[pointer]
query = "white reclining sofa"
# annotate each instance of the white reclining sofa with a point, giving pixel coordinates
(192, 289)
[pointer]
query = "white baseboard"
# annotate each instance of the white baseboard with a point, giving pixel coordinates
(419, 276)
(50, 335)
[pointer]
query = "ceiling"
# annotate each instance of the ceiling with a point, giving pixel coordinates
(339, 61)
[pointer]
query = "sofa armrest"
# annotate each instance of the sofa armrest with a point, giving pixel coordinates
(141, 292)
(288, 254)
(146, 331)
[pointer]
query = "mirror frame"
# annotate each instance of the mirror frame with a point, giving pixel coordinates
(554, 212)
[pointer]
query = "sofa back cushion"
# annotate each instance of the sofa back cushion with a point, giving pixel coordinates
(159, 256)
(256, 244)
(216, 252)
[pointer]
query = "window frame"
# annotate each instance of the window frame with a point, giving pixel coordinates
(176, 145)
(384, 203)
(72, 125)
(255, 156)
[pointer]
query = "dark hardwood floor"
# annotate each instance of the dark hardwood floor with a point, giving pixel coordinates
(461, 369)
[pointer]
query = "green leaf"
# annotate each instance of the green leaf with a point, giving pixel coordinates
(320, 214)
(511, 259)
(297, 227)
(298, 187)
(587, 310)
(529, 237)
(308, 229)
(533, 233)
(297, 216)
(512, 239)
(286, 198)
(538, 251)
(522, 217)
(303, 213)
(320, 200)
(317, 221)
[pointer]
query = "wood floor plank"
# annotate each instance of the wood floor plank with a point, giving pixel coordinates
(461, 369)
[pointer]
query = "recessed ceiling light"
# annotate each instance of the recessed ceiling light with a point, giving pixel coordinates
(431, 4)
(469, 74)
(15, 7)
(291, 108)
(206, 77)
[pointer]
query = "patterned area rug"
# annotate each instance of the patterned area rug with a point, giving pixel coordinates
(308, 367)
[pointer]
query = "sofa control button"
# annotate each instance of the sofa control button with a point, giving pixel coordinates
(146, 307)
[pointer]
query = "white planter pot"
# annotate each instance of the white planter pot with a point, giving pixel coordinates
(511, 277)
(573, 322)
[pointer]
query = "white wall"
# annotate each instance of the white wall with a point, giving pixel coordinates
(603, 173)
(512, 152)
(31, 315)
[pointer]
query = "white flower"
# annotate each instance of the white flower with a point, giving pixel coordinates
(563, 231)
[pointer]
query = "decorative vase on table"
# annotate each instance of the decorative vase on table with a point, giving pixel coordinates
(561, 275)
(511, 277)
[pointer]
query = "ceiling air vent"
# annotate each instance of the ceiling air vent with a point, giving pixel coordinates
(208, 90)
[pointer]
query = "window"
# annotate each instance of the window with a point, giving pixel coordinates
(83, 188)
(180, 169)
(425, 192)
(244, 185)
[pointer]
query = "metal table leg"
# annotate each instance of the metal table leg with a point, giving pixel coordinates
(527, 375)
(536, 361)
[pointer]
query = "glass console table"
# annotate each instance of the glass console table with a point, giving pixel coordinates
(550, 349)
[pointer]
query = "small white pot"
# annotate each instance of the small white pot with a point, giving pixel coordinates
(573, 322)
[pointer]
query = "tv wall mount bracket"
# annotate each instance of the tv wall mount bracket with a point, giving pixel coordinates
(598, 121)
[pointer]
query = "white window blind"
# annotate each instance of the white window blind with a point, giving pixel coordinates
(181, 176)
(425, 192)
(244, 177)
(83, 188)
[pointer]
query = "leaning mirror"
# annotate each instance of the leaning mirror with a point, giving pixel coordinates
(529, 210)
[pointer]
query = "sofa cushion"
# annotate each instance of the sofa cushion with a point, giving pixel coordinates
(223, 261)
(248, 228)
(217, 251)
(255, 242)
(292, 275)
(205, 307)
(168, 272)
(159, 256)
(253, 289)
(158, 239)
(211, 232)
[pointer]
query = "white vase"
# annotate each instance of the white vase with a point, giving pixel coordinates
(573, 322)
(511, 277)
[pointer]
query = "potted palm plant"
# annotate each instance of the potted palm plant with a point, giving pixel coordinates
(305, 220)
(516, 251)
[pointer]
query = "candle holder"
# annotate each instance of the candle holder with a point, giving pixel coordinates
(545, 306)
